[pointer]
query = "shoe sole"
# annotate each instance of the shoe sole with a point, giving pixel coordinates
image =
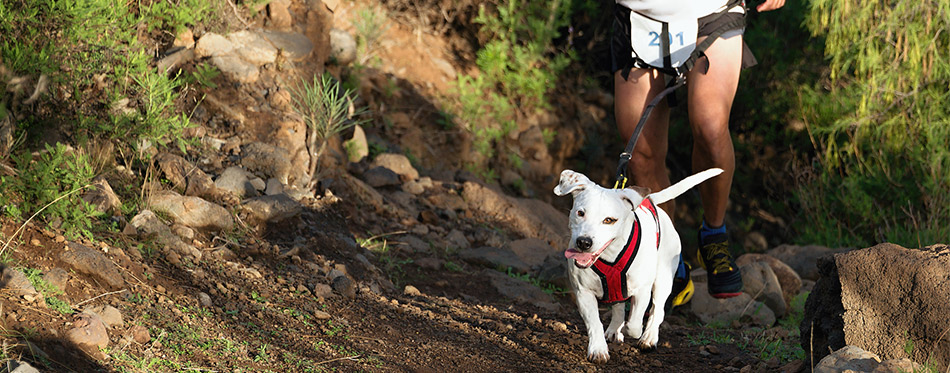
(684, 295)
(725, 295)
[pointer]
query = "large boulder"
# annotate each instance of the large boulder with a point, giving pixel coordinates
(527, 217)
(193, 212)
(880, 298)
(790, 281)
(803, 258)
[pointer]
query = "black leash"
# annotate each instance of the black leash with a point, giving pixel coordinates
(621, 178)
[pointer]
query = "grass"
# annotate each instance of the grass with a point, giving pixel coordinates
(544, 286)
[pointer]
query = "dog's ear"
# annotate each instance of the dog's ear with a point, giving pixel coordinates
(633, 197)
(571, 182)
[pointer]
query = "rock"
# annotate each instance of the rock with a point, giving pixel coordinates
(527, 217)
(554, 271)
(109, 315)
(342, 47)
(147, 224)
(494, 258)
(760, 282)
(413, 187)
(140, 334)
(236, 68)
(15, 366)
(489, 237)
(378, 177)
(258, 184)
(93, 263)
(57, 277)
(184, 39)
(211, 45)
(253, 47)
(88, 333)
(236, 180)
(848, 358)
(273, 187)
(533, 251)
(415, 243)
(802, 258)
(183, 232)
(398, 163)
(292, 45)
(278, 14)
(322, 290)
(271, 161)
(867, 298)
(204, 299)
(272, 209)
(520, 291)
(320, 315)
(430, 263)
(899, 366)
(755, 242)
(456, 239)
(411, 291)
(14, 280)
(185, 176)
(357, 147)
(344, 286)
(725, 311)
(192, 211)
(789, 280)
(174, 60)
(102, 197)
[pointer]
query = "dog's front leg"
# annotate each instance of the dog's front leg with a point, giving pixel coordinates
(597, 346)
(617, 320)
(638, 306)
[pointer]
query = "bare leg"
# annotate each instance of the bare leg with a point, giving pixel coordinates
(710, 100)
(647, 166)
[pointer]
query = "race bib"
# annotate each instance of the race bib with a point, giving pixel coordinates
(645, 38)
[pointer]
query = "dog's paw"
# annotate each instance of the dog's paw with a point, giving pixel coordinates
(633, 331)
(597, 352)
(648, 340)
(614, 335)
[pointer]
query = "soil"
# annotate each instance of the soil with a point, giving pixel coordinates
(398, 315)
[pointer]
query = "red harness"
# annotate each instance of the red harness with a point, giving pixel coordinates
(613, 276)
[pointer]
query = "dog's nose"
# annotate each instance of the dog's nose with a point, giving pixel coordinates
(584, 243)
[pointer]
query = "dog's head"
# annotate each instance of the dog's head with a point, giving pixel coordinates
(600, 217)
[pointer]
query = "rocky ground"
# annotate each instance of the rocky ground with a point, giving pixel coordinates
(392, 257)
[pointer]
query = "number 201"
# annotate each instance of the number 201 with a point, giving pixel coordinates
(655, 42)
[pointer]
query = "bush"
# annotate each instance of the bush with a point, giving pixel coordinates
(881, 125)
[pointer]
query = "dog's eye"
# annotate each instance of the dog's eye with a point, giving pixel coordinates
(609, 221)
(580, 213)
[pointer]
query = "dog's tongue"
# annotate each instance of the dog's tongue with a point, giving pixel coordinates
(582, 259)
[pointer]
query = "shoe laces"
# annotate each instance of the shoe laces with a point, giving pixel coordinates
(718, 254)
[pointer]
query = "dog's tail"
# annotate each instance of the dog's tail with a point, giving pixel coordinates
(681, 187)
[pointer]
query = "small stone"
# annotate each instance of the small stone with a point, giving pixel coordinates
(411, 291)
(344, 286)
(322, 290)
(320, 315)
(140, 334)
(712, 349)
(559, 326)
(160, 288)
(60, 239)
(204, 299)
(35, 242)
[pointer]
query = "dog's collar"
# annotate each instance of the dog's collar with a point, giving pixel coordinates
(613, 276)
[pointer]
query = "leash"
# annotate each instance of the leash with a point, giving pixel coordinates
(621, 177)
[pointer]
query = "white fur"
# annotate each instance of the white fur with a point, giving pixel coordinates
(651, 271)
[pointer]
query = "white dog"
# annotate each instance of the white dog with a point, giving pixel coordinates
(622, 247)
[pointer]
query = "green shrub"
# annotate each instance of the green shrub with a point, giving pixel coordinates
(882, 126)
(52, 184)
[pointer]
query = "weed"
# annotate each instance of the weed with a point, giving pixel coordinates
(714, 337)
(327, 110)
(262, 355)
(453, 267)
(205, 74)
(257, 297)
(370, 24)
(546, 287)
